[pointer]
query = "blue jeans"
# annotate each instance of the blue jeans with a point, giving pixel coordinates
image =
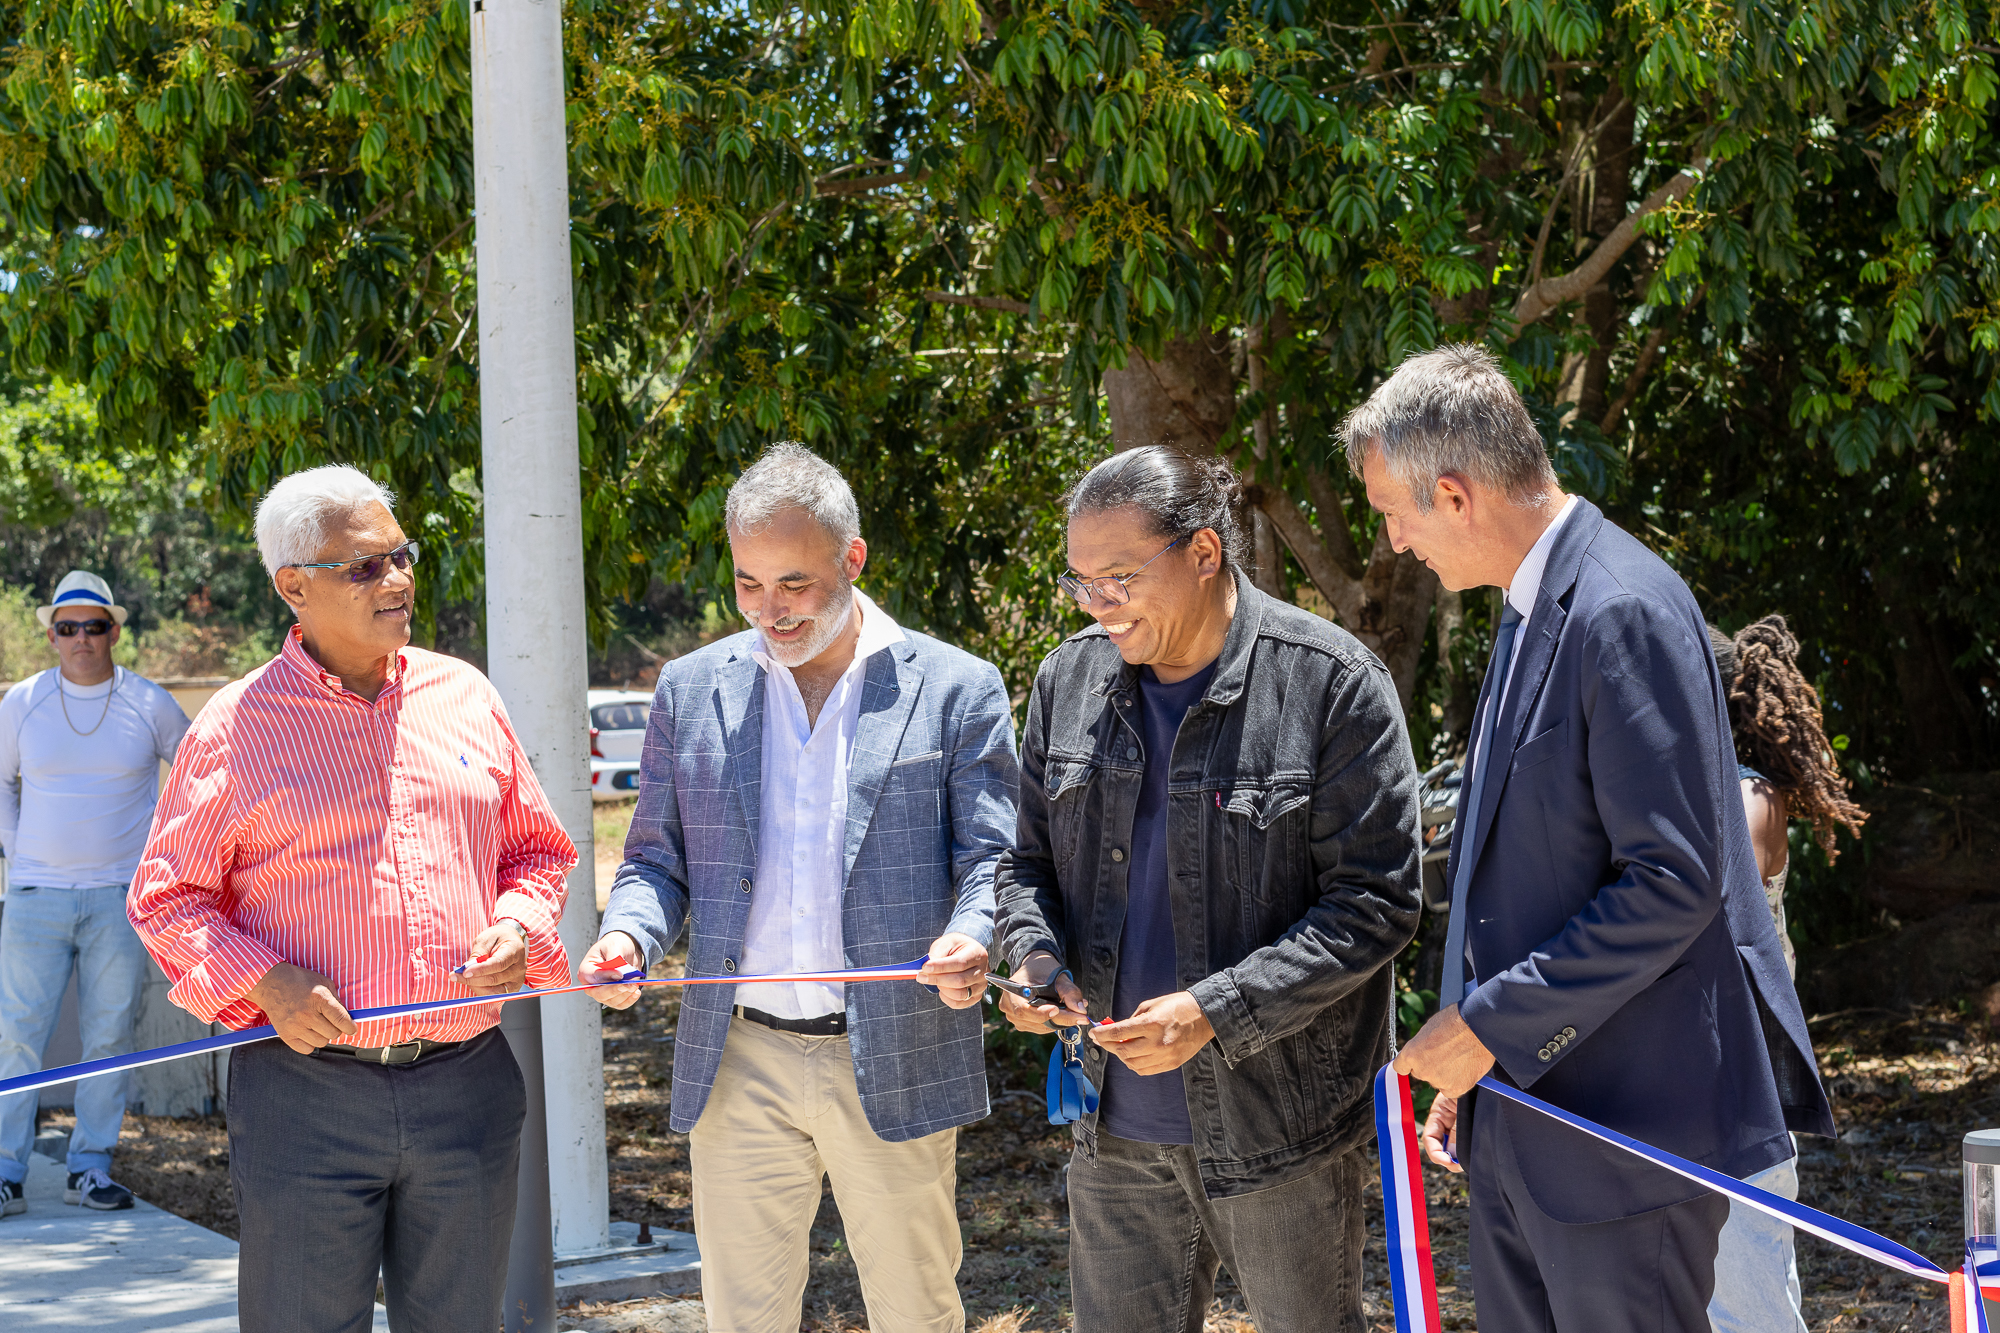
(43, 934)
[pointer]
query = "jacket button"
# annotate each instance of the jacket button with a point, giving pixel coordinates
(1569, 1034)
(729, 965)
(1131, 752)
(1118, 853)
(1544, 1052)
(744, 884)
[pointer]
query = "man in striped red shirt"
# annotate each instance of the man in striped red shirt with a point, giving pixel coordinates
(343, 828)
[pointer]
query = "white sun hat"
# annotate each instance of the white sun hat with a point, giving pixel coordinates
(80, 587)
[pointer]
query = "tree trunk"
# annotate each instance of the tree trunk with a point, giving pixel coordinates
(1610, 201)
(1187, 399)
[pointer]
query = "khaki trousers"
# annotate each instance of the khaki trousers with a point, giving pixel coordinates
(783, 1112)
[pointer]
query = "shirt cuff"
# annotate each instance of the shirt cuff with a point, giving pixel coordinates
(548, 964)
(214, 989)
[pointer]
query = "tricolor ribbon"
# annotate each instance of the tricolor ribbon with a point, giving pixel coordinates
(1415, 1286)
(632, 977)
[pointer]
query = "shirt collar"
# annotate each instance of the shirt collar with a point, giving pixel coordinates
(294, 653)
(1528, 578)
(878, 631)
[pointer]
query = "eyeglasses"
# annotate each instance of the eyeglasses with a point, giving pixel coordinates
(69, 629)
(1110, 587)
(370, 567)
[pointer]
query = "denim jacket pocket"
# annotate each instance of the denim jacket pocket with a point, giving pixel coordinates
(1264, 829)
(1068, 784)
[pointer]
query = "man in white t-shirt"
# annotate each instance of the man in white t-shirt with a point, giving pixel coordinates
(80, 753)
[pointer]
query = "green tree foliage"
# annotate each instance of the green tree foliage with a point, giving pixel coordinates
(1739, 258)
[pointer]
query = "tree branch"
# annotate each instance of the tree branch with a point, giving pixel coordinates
(1549, 293)
(1341, 592)
(1006, 303)
(862, 184)
(1333, 522)
(1648, 354)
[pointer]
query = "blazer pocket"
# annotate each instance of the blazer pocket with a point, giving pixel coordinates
(1540, 749)
(918, 759)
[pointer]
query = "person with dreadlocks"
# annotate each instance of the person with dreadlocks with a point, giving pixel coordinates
(1787, 770)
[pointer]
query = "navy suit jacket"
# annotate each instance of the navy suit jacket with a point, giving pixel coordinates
(1629, 970)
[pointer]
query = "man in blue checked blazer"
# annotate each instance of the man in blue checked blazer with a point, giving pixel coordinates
(826, 790)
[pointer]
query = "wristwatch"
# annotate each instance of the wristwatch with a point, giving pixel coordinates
(510, 921)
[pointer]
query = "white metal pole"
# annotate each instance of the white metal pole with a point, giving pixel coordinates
(535, 632)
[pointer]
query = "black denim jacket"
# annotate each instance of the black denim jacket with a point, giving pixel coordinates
(1292, 846)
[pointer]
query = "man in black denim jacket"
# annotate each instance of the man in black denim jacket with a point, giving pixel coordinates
(1291, 875)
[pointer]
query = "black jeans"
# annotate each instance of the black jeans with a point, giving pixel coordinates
(340, 1168)
(1145, 1242)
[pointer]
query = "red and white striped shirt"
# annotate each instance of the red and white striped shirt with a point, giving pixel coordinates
(367, 842)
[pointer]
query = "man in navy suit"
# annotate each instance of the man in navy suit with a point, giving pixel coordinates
(1605, 951)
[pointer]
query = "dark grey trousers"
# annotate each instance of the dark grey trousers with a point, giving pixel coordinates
(342, 1168)
(1145, 1243)
(1651, 1273)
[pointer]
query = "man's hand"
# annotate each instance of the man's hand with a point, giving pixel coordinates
(504, 948)
(957, 967)
(1446, 1054)
(1440, 1133)
(612, 956)
(1036, 969)
(1160, 1036)
(302, 1007)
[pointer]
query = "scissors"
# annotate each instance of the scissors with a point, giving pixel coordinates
(1042, 994)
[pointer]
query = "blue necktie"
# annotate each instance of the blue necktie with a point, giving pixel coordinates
(1452, 987)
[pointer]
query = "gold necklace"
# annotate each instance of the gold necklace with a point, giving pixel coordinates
(64, 696)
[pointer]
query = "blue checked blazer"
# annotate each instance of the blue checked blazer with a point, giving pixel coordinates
(930, 808)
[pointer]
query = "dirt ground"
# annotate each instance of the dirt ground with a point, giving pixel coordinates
(1907, 1087)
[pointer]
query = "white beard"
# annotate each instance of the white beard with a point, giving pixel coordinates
(822, 632)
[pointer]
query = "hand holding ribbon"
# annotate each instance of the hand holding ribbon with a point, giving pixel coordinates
(303, 1009)
(1161, 1035)
(957, 967)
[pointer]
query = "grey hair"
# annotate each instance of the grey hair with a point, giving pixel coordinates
(791, 476)
(294, 515)
(1454, 410)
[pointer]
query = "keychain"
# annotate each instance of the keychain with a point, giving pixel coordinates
(1070, 1093)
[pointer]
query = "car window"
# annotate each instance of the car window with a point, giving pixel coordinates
(619, 717)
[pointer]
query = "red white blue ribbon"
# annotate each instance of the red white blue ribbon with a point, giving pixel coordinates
(1409, 1229)
(633, 977)
(1409, 1245)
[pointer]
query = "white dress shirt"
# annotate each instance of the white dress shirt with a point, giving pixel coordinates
(802, 839)
(1526, 586)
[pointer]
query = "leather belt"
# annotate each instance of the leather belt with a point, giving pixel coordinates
(402, 1053)
(826, 1025)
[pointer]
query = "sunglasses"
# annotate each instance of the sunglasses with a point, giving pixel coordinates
(69, 629)
(371, 567)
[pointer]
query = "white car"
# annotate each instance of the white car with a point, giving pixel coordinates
(617, 735)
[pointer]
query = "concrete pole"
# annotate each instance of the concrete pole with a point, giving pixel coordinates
(535, 633)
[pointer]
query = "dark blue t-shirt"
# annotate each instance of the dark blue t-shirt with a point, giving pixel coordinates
(1151, 1108)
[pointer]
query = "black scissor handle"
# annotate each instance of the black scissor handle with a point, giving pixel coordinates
(1043, 994)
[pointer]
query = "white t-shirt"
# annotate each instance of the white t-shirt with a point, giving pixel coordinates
(75, 809)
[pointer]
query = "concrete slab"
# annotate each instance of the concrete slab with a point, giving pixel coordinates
(669, 1265)
(142, 1271)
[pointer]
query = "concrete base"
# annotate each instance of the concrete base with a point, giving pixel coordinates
(670, 1265)
(68, 1267)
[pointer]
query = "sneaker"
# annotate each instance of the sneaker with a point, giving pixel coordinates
(95, 1189)
(13, 1197)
